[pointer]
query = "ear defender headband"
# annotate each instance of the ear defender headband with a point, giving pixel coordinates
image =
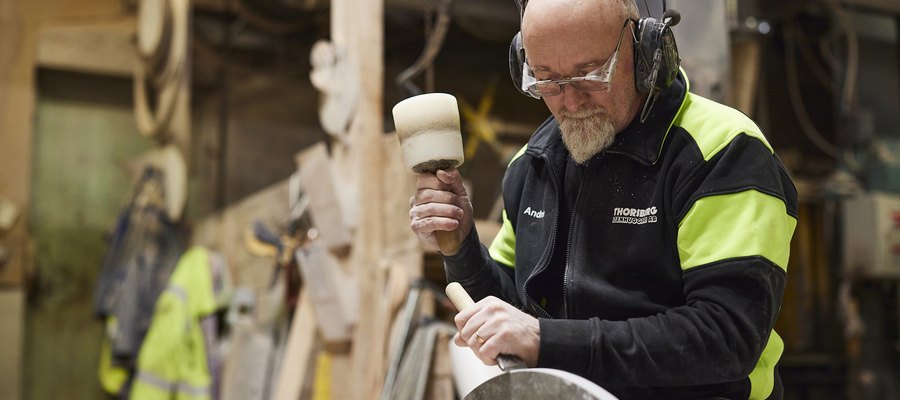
(517, 63)
(656, 59)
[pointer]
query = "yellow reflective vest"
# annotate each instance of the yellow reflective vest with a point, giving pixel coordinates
(172, 363)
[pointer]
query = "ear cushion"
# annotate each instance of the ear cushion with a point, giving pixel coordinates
(671, 61)
(516, 61)
(644, 50)
(655, 39)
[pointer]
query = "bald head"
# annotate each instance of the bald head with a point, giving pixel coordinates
(580, 26)
(574, 14)
(629, 7)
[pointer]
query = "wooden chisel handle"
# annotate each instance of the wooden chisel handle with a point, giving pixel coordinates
(462, 300)
(458, 296)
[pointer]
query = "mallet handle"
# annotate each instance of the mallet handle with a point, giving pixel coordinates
(448, 242)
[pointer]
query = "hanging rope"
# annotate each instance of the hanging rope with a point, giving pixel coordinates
(432, 47)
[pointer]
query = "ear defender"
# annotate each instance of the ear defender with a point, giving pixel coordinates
(656, 59)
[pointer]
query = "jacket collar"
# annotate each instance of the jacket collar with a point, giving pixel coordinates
(644, 140)
(641, 141)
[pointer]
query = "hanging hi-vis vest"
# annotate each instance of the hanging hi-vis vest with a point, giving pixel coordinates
(172, 363)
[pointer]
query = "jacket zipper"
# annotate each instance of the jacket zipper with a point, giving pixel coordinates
(569, 251)
(631, 156)
(549, 257)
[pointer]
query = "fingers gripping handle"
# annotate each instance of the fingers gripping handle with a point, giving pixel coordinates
(462, 300)
(448, 243)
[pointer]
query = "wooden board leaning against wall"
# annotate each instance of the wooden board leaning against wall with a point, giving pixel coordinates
(399, 264)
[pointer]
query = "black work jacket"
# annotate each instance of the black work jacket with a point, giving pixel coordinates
(657, 269)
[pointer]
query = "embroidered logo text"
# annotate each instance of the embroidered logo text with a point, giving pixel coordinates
(634, 216)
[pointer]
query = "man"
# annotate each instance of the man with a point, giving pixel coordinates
(647, 256)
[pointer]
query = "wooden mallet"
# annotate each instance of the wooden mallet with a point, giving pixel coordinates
(430, 140)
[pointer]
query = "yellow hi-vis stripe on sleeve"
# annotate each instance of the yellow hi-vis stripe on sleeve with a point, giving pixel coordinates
(762, 378)
(748, 223)
(713, 125)
(503, 248)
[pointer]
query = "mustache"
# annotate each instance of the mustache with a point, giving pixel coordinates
(584, 112)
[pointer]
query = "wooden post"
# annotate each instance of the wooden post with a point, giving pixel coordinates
(745, 77)
(357, 31)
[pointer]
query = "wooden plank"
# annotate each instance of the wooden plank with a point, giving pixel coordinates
(399, 185)
(327, 206)
(440, 382)
(12, 321)
(321, 389)
(19, 252)
(341, 370)
(357, 30)
(17, 99)
(247, 362)
(224, 232)
(394, 325)
(330, 291)
(99, 48)
(402, 253)
(745, 77)
(296, 365)
(415, 369)
(888, 6)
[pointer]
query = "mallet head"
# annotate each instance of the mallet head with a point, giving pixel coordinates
(428, 128)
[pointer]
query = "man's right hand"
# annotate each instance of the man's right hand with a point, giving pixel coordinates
(440, 204)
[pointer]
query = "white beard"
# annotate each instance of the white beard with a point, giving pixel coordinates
(586, 132)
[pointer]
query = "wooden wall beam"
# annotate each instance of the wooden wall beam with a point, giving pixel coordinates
(102, 48)
(357, 29)
(888, 6)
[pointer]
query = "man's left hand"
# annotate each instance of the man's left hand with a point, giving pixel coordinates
(492, 327)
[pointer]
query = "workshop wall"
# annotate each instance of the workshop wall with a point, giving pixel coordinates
(83, 139)
(20, 22)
